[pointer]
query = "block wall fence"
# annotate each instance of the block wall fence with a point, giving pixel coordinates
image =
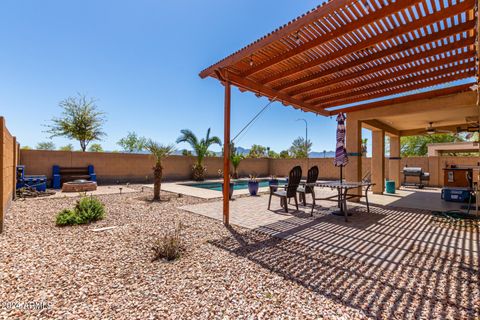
(9, 155)
(137, 168)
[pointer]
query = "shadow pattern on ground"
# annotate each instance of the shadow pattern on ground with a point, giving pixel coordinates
(426, 283)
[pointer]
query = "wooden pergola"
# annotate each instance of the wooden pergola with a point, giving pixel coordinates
(347, 56)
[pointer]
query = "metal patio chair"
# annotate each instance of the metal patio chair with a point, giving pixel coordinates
(290, 191)
(302, 190)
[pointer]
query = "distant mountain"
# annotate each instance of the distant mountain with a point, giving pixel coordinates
(327, 154)
(243, 151)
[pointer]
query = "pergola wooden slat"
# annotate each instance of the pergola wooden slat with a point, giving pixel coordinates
(339, 56)
(406, 50)
(396, 74)
(373, 41)
(339, 43)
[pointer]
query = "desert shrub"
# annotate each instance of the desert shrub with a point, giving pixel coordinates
(170, 245)
(87, 209)
(66, 217)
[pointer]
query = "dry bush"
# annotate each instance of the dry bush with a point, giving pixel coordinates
(170, 244)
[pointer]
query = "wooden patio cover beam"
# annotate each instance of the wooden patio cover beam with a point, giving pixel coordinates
(412, 97)
(390, 34)
(350, 52)
(352, 26)
(392, 76)
(405, 47)
(310, 17)
(408, 86)
(272, 94)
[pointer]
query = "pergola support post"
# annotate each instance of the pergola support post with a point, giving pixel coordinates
(378, 161)
(394, 161)
(226, 155)
(353, 170)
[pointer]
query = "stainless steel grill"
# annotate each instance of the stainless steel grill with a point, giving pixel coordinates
(416, 172)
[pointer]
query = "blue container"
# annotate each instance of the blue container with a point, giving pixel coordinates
(56, 178)
(253, 187)
(455, 194)
(390, 186)
(273, 182)
(39, 183)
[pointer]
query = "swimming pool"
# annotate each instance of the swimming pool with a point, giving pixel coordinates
(238, 184)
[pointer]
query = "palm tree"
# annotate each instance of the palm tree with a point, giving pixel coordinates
(201, 149)
(159, 152)
(236, 158)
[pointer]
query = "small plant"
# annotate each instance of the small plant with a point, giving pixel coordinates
(220, 174)
(253, 184)
(170, 245)
(198, 172)
(87, 209)
(235, 159)
(66, 217)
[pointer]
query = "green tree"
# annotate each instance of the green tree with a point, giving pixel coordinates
(68, 147)
(132, 143)
(417, 145)
(46, 145)
(25, 148)
(235, 159)
(187, 153)
(284, 154)
(364, 146)
(257, 151)
(159, 152)
(210, 153)
(201, 149)
(273, 155)
(299, 149)
(81, 120)
(95, 147)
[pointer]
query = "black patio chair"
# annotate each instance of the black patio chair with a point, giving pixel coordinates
(290, 191)
(302, 190)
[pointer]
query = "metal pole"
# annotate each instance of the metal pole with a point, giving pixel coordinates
(306, 139)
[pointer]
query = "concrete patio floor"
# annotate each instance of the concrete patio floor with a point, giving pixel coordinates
(428, 198)
(382, 237)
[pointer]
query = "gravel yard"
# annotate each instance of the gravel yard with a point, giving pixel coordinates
(224, 273)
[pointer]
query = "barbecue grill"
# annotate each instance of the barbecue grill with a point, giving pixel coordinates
(416, 172)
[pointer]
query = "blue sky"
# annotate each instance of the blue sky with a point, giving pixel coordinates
(141, 60)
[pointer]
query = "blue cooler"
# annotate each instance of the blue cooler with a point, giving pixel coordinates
(455, 194)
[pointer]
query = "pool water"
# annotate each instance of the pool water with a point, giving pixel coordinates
(238, 184)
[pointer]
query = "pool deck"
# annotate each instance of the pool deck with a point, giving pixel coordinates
(181, 187)
(428, 198)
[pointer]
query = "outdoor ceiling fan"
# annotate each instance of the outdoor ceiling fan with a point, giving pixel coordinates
(431, 130)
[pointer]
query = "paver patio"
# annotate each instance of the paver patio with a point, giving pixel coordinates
(382, 237)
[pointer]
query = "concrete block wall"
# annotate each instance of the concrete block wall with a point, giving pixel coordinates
(125, 167)
(8, 161)
(137, 168)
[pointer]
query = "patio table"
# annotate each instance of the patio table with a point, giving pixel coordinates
(343, 188)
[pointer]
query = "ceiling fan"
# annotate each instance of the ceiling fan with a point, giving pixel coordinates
(431, 130)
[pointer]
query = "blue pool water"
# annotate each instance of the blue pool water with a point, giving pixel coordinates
(238, 184)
